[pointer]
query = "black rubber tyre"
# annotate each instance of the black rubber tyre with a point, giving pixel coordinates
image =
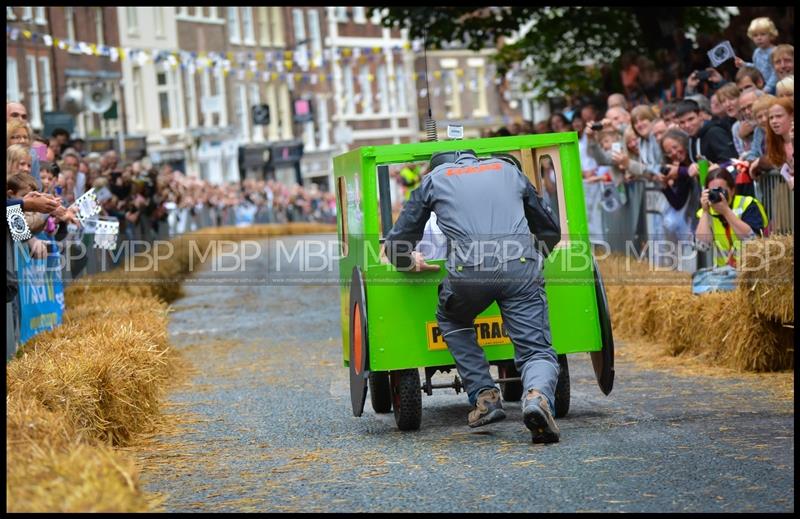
(511, 391)
(380, 394)
(562, 388)
(406, 398)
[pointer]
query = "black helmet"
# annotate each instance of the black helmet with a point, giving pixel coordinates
(446, 157)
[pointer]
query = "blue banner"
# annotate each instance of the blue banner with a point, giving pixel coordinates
(41, 292)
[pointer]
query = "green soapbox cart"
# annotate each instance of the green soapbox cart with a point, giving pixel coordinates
(388, 317)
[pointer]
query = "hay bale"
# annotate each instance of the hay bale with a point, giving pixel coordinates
(720, 327)
(73, 478)
(95, 382)
(768, 277)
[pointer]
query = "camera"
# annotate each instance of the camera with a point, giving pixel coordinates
(596, 127)
(702, 75)
(717, 194)
(664, 170)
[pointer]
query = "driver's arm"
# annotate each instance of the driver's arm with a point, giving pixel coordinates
(410, 226)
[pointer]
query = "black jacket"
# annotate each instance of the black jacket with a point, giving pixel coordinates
(714, 143)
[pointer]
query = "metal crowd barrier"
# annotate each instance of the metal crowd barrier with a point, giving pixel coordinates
(778, 200)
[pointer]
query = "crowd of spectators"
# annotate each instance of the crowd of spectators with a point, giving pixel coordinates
(742, 125)
(148, 202)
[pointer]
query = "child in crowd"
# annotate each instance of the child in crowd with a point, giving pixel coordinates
(18, 158)
(785, 87)
(19, 184)
(48, 186)
(763, 32)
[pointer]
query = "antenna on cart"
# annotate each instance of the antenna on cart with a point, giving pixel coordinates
(430, 124)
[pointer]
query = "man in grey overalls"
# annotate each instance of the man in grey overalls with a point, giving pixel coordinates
(488, 209)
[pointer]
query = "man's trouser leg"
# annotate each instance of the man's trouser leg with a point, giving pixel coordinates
(461, 299)
(523, 305)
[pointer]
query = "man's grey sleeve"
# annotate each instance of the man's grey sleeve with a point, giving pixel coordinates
(409, 228)
(540, 218)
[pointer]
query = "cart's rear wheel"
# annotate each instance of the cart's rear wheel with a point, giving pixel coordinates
(603, 360)
(359, 343)
(512, 391)
(380, 393)
(562, 388)
(406, 398)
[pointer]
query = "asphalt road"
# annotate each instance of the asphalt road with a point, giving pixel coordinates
(267, 426)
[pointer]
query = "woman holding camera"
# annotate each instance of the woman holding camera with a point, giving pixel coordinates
(727, 219)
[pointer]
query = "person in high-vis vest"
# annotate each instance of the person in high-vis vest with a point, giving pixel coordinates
(727, 219)
(411, 178)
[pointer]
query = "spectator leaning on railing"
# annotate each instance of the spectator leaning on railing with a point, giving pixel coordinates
(707, 139)
(745, 128)
(678, 183)
(780, 138)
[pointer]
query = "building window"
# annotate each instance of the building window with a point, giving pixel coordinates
(40, 18)
(383, 90)
(12, 80)
(69, 18)
(301, 49)
(359, 15)
(223, 106)
(27, 14)
(272, 100)
(183, 11)
(285, 113)
(233, 24)
(349, 90)
(98, 25)
(478, 72)
(452, 90)
(366, 89)
(402, 101)
(247, 26)
(168, 100)
(158, 14)
(205, 95)
(33, 93)
(263, 26)
(308, 136)
(138, 98)
(315, 35)
(322, 122)
(241, 112)
(191, 97)
(47, 89)
(132, 17)
(255, 99)
(340, 14)
(212, 13)
(10, 13)
(277, 27)
(163, 100)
